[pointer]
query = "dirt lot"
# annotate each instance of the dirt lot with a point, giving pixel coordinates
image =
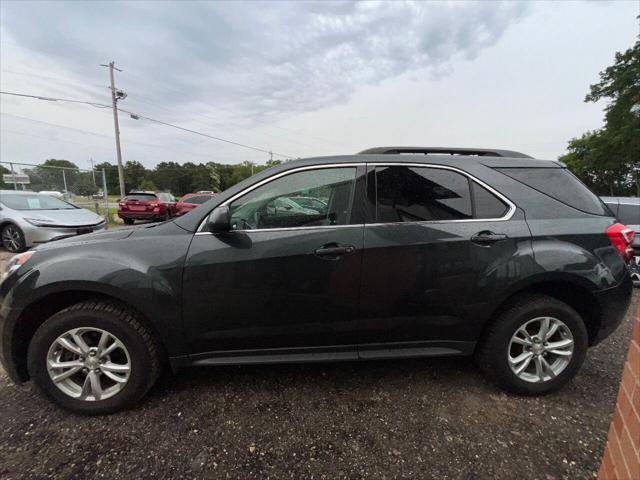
(435, 418)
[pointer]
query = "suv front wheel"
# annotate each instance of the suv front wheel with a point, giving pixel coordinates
(94, 358)
(535, 346)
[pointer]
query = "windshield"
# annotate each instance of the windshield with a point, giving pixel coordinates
(33, 201)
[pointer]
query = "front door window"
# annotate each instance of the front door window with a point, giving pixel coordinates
(311, 198)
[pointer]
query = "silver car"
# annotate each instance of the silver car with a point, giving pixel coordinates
(28, 218)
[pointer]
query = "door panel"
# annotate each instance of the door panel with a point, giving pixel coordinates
(268, 289)
(427, 282)
(431, 273)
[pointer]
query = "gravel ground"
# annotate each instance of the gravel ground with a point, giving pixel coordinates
(431, 418)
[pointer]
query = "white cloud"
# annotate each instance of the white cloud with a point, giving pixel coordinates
(259, 59)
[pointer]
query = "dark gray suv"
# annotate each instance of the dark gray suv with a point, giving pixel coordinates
(412, 252)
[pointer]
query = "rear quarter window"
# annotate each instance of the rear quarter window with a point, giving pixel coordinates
(560, 184)
(487, 205)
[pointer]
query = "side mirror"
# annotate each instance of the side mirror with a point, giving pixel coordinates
(219, 221)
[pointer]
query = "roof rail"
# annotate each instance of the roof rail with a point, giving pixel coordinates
(480, 152)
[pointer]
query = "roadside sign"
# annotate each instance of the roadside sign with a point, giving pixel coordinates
(16, 178)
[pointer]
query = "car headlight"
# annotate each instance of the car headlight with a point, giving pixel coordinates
(38, 222)
(15, 263)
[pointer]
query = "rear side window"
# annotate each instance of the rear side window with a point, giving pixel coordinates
(414, 194)
(140, 197)
(560, 184)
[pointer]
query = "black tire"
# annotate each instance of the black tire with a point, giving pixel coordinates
(142, 345)
(128, 221)
(13, 238)
(493, 351)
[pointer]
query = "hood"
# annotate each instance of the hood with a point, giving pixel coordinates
(108, 236)
(72, 217)
(96, 237)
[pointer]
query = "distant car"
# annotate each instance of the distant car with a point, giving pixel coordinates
(191, 201)
(52, 193)
(310, 202)
(146, 206)
(627, 210)
(28, 219)
(281, 210)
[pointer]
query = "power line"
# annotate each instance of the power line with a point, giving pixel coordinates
(137, 116)
(143, 144)
(218, 123)
(54, 99)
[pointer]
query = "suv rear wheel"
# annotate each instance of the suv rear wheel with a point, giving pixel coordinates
(535, 346)
(94, 358)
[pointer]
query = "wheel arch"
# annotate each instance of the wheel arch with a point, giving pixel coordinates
(574, 292)
(38, 311)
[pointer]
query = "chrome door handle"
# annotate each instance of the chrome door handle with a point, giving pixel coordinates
(487, 238)
(332, 252)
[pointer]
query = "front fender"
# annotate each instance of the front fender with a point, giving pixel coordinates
(143, 271)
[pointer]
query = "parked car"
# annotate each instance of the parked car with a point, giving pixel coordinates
(146, 206)
(310, 202)
(28, 219)
(53, 193)
(627, 210)
(484, 252)
(191, 201)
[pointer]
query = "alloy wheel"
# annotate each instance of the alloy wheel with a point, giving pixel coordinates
(88, 364)
(11, 238)
(540, 349)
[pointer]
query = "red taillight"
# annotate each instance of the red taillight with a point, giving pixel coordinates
(621, 238)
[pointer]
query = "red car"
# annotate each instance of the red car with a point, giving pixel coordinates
(146, 206)
(191, 201)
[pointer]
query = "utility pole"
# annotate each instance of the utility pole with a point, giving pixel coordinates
(93, 172)
(115, 96)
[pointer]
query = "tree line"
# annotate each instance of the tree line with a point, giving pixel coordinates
(166, 176)
(181, 178)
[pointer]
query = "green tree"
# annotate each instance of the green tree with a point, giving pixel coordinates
(111, 172)
(134, 174)
(608, 159)
(84, 184)
(51, 176)
(148, 185)
(215, 176)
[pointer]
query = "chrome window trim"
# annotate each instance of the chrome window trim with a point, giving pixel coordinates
(507, 216)
(275, 177)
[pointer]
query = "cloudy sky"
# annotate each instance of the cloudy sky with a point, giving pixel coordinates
(303, 79)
